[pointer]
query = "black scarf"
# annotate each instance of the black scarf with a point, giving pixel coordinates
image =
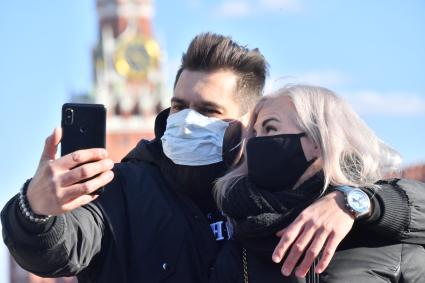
(257, 214)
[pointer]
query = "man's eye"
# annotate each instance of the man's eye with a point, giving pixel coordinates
(209, 112)
(177, 107)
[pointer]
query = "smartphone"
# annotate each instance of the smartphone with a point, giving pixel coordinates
(83, 127)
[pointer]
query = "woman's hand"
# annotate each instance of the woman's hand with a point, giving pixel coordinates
(318, 229)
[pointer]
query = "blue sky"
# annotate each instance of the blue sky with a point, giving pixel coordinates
(371, 52)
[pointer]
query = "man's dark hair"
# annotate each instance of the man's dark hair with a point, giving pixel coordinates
(210, 52)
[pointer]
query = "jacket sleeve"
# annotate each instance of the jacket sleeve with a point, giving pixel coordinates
(402, 210)
(64, 246)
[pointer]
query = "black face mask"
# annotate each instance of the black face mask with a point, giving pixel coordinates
(276, 163)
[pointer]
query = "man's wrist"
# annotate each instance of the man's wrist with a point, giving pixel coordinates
(25, 208)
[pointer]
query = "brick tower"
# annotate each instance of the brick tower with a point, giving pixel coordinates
(127, 79)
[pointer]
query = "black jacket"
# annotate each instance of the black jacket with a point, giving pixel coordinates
(375, 262)
(142, 229)
(363, 256)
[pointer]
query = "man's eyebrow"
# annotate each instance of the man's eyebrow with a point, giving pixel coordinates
(268, 120)
(179, 100)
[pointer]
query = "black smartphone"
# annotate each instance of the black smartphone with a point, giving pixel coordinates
(83, 127)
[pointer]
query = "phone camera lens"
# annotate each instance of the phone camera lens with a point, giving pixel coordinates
(69, 116)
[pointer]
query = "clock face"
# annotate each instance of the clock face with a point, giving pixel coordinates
(358, 200)
(135, 56)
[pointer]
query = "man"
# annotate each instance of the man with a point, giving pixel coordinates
(156, 220)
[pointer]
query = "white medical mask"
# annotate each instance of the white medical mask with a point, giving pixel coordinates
(193, 139)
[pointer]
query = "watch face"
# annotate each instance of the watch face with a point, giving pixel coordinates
(358, 201)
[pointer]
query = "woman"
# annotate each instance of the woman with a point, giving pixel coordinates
(303, 142)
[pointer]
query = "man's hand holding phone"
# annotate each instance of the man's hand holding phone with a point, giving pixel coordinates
(58, 185)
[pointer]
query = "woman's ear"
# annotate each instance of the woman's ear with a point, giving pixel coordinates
(316, 150)
(310, 148)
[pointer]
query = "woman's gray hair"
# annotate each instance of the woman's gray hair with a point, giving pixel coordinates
(351, 153)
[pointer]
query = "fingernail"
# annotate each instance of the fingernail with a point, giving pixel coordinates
(110, 175)
(286, 271)
(275, 258)
(318, 270)
(298, 273)
(109, 163)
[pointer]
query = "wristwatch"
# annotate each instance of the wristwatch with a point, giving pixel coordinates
(356, 200)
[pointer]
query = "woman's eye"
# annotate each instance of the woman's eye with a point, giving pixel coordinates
(269, 129)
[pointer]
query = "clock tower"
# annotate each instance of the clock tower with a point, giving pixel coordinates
(127, 72)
